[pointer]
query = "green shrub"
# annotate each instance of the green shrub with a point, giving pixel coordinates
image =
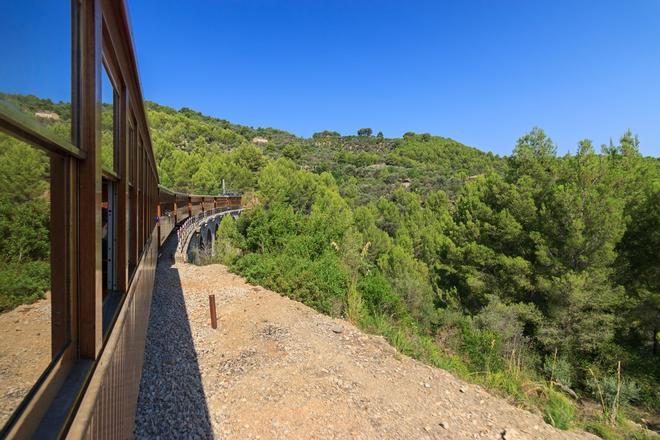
(23, 283)
(601, 430)
(506, 382)
(559, 410)
(612, 394)
(482, 347)
(320, 283)
(558, 369)
(255, 268)
(379, 297)
(438, 358)
(354, 304)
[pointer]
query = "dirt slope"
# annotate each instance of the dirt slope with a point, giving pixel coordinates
(275, 368)
(25, 352)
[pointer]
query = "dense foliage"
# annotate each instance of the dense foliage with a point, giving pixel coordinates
(195, 152)
(534, 274)
(513, 270)
(25, 209)
(519, 267)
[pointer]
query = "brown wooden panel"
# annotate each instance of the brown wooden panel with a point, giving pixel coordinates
(89, 189)
(166, 224)
(107, 409)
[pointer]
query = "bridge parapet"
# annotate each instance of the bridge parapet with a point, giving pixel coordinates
(199, 231)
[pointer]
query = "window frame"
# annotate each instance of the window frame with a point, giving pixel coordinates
(60, 397)
(62, 156)
(111, 66)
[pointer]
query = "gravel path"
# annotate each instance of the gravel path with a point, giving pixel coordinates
(275, 368)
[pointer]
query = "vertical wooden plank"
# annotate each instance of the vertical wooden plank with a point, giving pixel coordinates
(73, 221)
(145, 196)
(122, 194)
(58, 246)
(89, 184)
(158, 214)
(132, 146)
(138, 195)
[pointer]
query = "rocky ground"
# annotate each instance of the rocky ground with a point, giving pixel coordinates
(25, 352)
(275, 368)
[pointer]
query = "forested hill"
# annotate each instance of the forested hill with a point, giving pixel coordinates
(534, 275)
(192, 150)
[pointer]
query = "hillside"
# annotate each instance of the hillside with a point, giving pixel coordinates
(276, 368)
(365, 167)
(533, 275)
(519, 273)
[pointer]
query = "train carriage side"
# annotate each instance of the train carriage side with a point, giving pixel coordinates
(182, 207)
(196, 204)
(166, 213)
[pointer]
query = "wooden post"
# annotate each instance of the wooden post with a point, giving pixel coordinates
(214, 319)
(89, 185)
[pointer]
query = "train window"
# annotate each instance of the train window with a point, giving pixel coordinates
(33, 304)
(35, 75)
(144, 201)
(109, 118)
(108, 236)
(111, 296)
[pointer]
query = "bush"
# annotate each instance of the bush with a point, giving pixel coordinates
(23, 283)
(505, 381)
(379, 297)
(482, 347)
(558, 369)
(320, 283)
(227, 241)
(601, 430)
(559, 410)
(612, 393)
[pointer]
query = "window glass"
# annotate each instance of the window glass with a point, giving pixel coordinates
(108, 121)
(108, 236)
(26, 315)
(111, 297)
(35, 75)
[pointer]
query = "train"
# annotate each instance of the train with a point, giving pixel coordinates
(106, 217)
(175, 207)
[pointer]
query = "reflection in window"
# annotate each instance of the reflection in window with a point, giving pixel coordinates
(35, 75)
(108, 121)
(111, 297)
(26, 347)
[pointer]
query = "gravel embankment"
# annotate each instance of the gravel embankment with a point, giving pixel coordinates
(275, 368)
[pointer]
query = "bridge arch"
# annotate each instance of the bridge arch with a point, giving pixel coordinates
(197, 235)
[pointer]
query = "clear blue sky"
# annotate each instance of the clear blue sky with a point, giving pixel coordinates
(482, 72)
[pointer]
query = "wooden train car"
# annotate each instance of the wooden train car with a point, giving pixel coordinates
(208, 203)
(102, 217)
(182, 206)
(166, 213)
(196, 204)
